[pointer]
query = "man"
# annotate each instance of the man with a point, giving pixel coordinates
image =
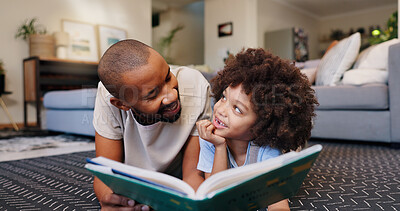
(143, 118)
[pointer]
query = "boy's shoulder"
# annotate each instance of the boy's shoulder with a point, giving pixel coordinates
(267, 152)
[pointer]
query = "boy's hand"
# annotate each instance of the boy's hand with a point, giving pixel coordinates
(117, 202)
(206, 132)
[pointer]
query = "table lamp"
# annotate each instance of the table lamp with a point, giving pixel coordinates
(62, 41)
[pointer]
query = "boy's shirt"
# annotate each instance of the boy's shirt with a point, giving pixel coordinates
(207, 151)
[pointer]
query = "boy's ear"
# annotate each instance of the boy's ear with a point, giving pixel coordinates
(119, 104)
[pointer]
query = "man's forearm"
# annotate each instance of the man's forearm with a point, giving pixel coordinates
(100, 189)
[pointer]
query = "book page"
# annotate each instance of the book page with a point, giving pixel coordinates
(156, 177)
(231, 177)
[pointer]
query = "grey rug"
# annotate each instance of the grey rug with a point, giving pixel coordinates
(352, 176)
(47, 183)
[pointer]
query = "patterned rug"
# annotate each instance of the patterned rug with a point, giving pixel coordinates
(346, 176)
(352, 176)
(47, 183)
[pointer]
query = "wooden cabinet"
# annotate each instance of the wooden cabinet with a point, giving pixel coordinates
(46, 74)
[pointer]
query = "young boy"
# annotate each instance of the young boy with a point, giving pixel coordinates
(264, 108)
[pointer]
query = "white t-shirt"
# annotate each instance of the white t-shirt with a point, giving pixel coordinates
(157, 146)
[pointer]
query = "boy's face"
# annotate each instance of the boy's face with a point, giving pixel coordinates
(233, 115)
(152, 91)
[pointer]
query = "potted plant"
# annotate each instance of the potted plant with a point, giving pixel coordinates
(40, 43)
(165, 43)
(379, 36)
(2, 77)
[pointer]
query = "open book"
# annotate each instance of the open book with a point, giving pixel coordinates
(248, 187)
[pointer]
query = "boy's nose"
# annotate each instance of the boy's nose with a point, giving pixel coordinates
(221, 110)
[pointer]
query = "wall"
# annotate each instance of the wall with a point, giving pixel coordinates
(132, 15)
(355, 20)
(243, 15)
(364, 18)
(273, 15)
(188, 45)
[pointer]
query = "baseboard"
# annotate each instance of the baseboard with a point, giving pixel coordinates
(20, 125)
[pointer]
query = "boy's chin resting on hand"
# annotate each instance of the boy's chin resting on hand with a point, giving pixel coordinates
(206, 131)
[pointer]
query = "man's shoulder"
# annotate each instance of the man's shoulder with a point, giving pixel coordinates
(186, 74)
(102, 91)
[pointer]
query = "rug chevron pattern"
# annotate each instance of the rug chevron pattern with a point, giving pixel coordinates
(349, 176)
(47, 183)
(346, 176)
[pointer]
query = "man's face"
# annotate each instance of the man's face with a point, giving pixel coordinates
(151, 92)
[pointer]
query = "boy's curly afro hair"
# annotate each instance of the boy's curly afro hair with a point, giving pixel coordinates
(280, 95)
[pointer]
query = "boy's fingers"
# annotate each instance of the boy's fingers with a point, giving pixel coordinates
(209, 130)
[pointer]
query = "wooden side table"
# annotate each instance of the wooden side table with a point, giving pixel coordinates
(6, 110)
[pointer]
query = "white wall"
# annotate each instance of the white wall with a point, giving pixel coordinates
(242, 13)
(188, 45)
(273, 16)
(364, 18)
(132, 15)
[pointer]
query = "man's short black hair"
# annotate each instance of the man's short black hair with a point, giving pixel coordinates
(123, 56)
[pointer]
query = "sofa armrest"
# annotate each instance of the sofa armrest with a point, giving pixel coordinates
(394, 91)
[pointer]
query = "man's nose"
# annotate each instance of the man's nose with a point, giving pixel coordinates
(170, 96)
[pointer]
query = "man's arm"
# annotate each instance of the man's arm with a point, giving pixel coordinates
(190, 174)
(112, 149)
(279, 206)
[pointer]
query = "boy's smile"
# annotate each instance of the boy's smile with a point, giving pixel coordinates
(233, 115)
(218, 123)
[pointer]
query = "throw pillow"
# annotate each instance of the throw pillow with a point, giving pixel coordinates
(375, 57)
(310, 73)
(333, 43)
(337, 60)
(365, 76)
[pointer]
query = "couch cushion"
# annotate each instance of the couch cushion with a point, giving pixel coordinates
(337, 60)
(70, 99)
(375, 57)
(365, 76)
(347, 97)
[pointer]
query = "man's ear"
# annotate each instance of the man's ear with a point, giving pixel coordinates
(119, 104)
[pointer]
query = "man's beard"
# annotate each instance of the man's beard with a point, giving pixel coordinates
(147, 119)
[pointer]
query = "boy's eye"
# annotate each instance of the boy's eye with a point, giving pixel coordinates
(223, 97)
(238, 110)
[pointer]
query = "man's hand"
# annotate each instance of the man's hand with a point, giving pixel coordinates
(206, 132)
(116, 202)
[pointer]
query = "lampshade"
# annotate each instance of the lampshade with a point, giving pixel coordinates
(61, 38)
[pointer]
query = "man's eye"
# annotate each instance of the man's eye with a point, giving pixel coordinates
(168, 79)
(238, 110)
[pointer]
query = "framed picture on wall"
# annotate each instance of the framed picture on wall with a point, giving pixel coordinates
(82, 40)
(108, 36)
(225, 29)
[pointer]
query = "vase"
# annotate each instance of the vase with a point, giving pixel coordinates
(41, 45)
